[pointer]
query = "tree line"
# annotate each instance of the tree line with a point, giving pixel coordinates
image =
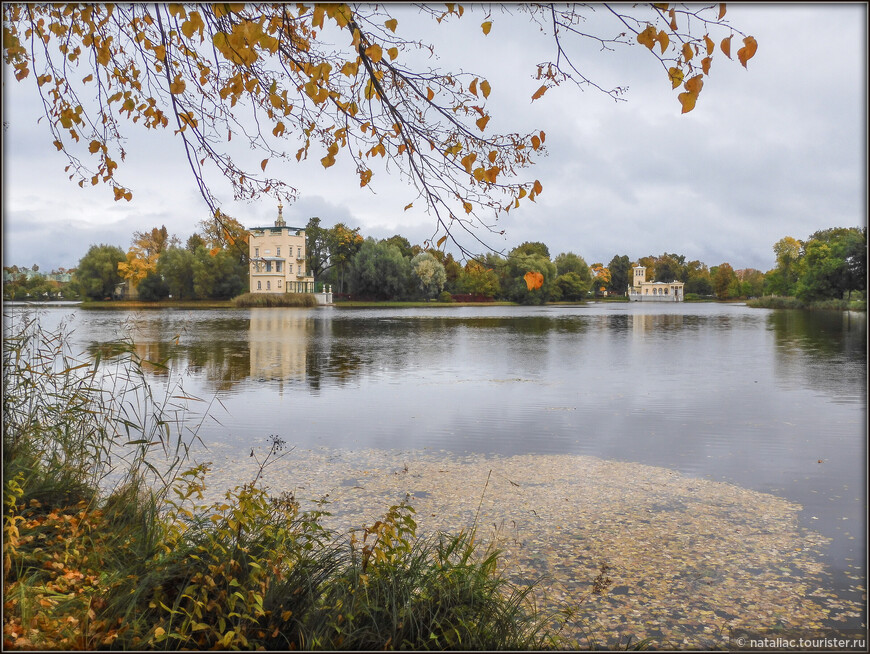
(213, 264)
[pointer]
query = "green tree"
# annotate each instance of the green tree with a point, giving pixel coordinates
(344, 243)
(834, 264)
(670, 267)
(97, 273)
(219, 275)
(572, 286)
(379, 271)
(428, 274)
(452, 269)
(479, 279)
(620, 274)
(408, 251)
(153, 288)
(317, 247)
(194, 242)
(788, 266)
(175, 266)
(529, 257)
(751, 282)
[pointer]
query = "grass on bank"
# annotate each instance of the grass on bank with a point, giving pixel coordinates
(781, 302)
(108, 546)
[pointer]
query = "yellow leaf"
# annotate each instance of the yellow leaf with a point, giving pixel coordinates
(391, 24)
(160, 52)
(177, 85)
(393, 52)
(536, 142)
(709, 43)
(441, 241)
(539, 92)
(408, 206)
(93, 147)
(534, 280)
(537, 188)
(676, 76)
(726, 46)
(492, 156)
(374, 53)
(159, 632)
(648, 37)
(486, 26)
(688, 100)
(58, 145)
(663, 40)
(263, 164)
(467, 206)
(485, 88)
(695, 84)
(365, 177)
(744, 54)
(721, 10)
(481, 122)
(705, 65)
(687, 52)
(429, 94)
(472, 88)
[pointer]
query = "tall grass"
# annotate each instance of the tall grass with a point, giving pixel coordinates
(275, 300)
(108, 544)
(788, 302)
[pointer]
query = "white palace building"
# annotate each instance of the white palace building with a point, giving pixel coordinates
(644, 291)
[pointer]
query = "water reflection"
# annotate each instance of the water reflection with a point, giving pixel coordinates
(823, 350)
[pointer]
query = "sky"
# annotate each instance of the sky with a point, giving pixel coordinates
(776, 149)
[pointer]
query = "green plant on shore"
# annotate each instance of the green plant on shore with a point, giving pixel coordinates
(108, 544)
(275, 300)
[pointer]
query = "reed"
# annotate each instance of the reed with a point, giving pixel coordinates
(109, 545)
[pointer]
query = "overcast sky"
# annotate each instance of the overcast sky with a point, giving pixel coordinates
(777, 150)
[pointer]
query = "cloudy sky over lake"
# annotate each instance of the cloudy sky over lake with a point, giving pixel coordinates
(776, 150)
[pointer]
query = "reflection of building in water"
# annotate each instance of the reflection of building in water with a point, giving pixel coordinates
(641, 324)
(278, 341)
(278, 259)
(644, 291)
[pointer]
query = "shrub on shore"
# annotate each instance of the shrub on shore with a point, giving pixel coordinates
(107, 547)
(275, 300)
(787, 302)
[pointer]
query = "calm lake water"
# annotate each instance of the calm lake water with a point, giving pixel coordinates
(774, 401)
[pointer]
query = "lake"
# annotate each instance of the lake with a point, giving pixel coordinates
(769, 401)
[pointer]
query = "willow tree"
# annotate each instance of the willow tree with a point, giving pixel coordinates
(322, 80)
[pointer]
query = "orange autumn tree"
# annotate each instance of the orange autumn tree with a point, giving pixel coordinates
(289, 81)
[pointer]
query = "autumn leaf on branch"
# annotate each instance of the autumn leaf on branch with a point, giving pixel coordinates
(288, 78)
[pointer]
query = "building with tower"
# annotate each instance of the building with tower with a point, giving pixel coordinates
(278, 259)
(644, 291)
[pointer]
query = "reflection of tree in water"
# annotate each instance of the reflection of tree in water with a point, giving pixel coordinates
(224, 363)
(808, 342)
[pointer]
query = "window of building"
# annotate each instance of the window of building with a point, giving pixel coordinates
(277, 266)
(259, 285)
(299, 252)
(300, 269)
(268, 286)
(278, 251)
(256, 252)
(665, 290)
(279, 283)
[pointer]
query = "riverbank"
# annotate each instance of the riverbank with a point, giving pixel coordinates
(779, 302)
